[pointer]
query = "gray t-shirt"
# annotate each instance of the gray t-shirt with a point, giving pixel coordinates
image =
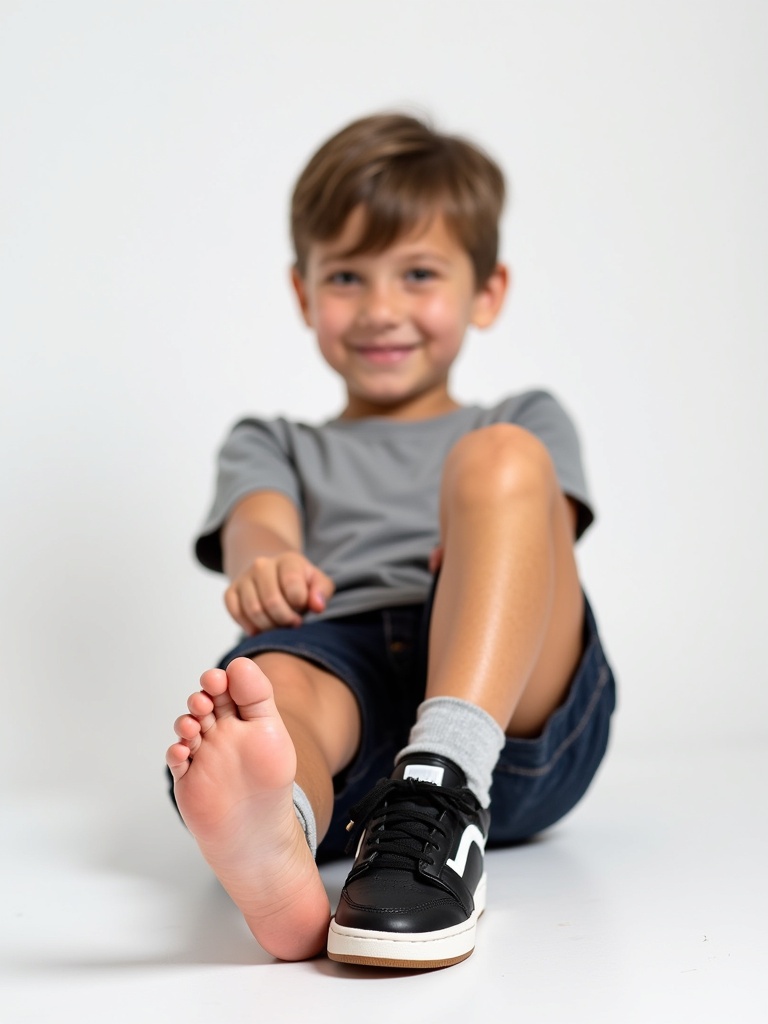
(367, 490)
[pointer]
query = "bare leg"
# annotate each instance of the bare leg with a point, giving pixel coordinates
(508, 615)
(323, 720)
(505, 636)
(234, 769)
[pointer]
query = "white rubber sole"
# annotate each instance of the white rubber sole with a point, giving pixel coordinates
(408, 949)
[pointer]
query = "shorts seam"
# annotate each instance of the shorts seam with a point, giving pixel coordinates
(570, 739)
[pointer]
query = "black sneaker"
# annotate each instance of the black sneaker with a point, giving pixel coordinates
(417, 887)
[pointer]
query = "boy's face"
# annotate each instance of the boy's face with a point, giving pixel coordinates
(392, 323)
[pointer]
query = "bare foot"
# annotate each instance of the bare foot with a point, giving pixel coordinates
(234, 769)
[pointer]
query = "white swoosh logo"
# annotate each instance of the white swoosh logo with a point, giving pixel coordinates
(472, 834)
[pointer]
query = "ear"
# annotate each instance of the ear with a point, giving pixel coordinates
(490, 297)
(300, 288)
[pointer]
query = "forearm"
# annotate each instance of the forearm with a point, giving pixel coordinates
(242, 542)
(265, 524)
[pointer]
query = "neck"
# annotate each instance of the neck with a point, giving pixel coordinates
(420, 407)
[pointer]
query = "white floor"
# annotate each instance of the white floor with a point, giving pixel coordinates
(648, 904)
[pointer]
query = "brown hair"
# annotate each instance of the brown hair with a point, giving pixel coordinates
(401, 171)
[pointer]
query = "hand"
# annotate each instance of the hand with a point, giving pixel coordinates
(274, 590)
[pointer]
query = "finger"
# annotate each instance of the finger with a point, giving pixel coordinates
(321, 588)
(292, 577)
(234, 607)
(270, 597)
(250, 604)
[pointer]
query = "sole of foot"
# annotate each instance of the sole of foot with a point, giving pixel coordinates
(233, 767)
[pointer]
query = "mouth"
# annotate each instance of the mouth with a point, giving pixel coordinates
(385, 355)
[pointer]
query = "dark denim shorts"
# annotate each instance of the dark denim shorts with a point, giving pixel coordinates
(382, 658)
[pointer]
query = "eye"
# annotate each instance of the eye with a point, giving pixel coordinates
(420, 274)
(343, 277)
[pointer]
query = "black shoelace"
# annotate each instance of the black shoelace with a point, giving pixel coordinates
(408, 811)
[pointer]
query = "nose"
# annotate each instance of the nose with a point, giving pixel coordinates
(380, 307)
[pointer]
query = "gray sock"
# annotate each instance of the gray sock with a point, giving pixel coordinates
(306, 816)
(464, 733)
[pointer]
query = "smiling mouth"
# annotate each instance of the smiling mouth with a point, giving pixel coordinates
(384, 354)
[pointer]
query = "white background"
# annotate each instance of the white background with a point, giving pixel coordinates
(148, 152)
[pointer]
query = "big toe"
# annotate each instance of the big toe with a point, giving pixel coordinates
(250, 689)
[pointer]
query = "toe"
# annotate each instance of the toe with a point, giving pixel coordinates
(214, 681)
(216, 699)
(214, 684)
(202, 706)
(250, 689)
(177, 759)
(186, 727)
(199, 704)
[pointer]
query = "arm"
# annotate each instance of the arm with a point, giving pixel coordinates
(271, 581)
(265, 523)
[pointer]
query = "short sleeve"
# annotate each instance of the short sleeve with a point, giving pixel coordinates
(255, 457)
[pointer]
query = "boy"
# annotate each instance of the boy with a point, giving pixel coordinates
(405, 579)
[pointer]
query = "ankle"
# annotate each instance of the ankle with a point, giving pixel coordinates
(306, 817)
(464, 734)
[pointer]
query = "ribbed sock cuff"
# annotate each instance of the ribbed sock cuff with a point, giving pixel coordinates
(464, 733)
(306, 817)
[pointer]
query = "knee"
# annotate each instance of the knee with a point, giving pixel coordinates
(501, 461)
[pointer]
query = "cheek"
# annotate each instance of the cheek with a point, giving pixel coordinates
(330, 320)
(444, 319)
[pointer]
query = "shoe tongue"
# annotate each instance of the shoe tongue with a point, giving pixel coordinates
(430, 768)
